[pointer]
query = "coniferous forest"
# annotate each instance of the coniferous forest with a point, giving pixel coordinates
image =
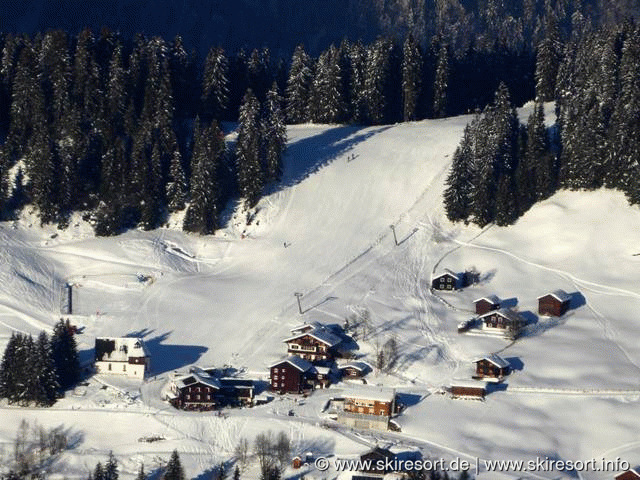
(130, 130)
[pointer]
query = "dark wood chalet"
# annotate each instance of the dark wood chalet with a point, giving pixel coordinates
(376, 460)
(198, 390)
(503, 321)
(487, 304)
(468, 389)
(317, 344)
(554, 304)
(194, 392)
(292, 375)
(355, 370)
(492, 367)
(628, 475)
(448, 280)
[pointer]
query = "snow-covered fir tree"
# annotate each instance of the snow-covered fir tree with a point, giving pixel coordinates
(441, 83)
(412, 61)
(274, 135)
(247, 153)
(299, 86)
(215, 84)
(327, 103)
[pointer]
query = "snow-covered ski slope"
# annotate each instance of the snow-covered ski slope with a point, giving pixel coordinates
(325, 232)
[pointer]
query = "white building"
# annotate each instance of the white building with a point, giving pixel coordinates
(122, 356)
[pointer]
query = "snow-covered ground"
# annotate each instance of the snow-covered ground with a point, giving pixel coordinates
(229, 299)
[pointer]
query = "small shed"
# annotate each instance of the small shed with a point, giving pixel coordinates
(468, 389)
(296, 462)
(486, 304)
(355, 370)
(628, 475)
(492, 367)
(448, 280)
(554, 304)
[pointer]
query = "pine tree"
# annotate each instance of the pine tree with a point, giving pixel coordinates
(538, 155)
(441, 83)
(357, 89)
(548, 59)
(299, 86)
(174, 470)
(111, 468)
(250, 179)
(412, 62)
(176, 186)
(45, 366)
(274, 135)
(378, 72)
(458, 191)
(236, 473)
(327, 104)
(65, 355)
(9, 371)
(215, 84)
(208, 149)
(98, 473)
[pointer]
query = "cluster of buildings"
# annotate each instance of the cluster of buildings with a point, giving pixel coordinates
(312, 350)
(493, 318)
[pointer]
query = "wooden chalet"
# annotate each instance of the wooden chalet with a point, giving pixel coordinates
(376, 459)
(554, 304)
(198, 390)
(194, 391)
(486, 304)
(355, 370)
(371, 401)
(628, 475)
(468, 389)
(292, 375)
(448, 280)
(316, 344)
(492, 367)
(503, 321)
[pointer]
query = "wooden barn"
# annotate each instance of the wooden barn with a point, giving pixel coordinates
(492, 367)
(554, 304)
(376, 460)
(628, 475)
(194, 391)
(292, 375)
(448, 281)
(468, 389)
(486, 304)
(503, 321)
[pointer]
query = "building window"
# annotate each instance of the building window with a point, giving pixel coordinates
(188, 397)
(109, 366)
(275, 377)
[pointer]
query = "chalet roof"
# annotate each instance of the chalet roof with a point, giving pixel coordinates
(322, 370)
(507, 313)
(494, 358)
(119, 349)
(468, 383)
(182, 381)
(377, 394)
(297, 362)
(447, 272)
(305, 327)
(493, 299)
(320, 333)
(559, 295)
(361, 366)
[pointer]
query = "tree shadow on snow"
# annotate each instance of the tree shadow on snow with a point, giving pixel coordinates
(312, 153)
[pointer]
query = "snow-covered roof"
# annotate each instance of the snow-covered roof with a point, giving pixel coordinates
(489, 298)
(361, 366)
(323, 370)
(119, 349)
(494, 358)
(297, 362)
(305, 327)
(182, 381)
(377, 394)
(631, 473)
(447, 272)
(507, 313)
(320, 333)
(465, 383)
(559, 295)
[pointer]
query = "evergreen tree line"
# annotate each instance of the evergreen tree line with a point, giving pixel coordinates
(502, 168)
(37, 371)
